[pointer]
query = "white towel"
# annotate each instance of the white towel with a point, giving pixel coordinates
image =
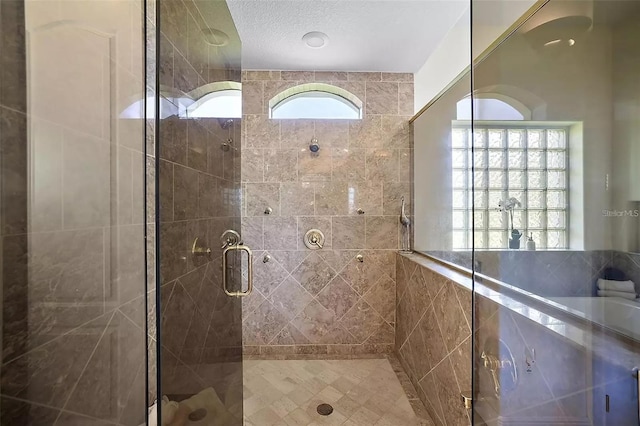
(611, 285)
(622, 294)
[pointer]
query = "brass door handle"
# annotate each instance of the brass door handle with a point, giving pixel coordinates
(246, 249)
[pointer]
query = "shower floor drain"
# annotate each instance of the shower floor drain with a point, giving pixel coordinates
(325, 409)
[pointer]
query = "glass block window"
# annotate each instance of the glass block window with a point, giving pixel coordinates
(490, 164)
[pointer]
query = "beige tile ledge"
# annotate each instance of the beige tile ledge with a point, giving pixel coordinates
(458, 276)
(609, 345)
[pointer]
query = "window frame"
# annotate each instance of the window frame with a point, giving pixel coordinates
(469, 229)
(309, 90)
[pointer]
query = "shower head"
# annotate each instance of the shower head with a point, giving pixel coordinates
(225, 123)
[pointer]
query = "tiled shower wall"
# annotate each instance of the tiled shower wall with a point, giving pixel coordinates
(433, 339)
(73, 344)
(324, 301)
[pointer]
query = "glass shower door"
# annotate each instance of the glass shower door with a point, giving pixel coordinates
(557, 271)
(198, 118)
(72, 208)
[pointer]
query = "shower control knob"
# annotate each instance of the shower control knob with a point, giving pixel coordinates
(314, 239)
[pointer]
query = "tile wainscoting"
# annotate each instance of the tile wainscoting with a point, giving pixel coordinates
(576, 363)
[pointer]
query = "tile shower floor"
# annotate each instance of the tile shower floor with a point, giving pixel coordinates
(363, 392)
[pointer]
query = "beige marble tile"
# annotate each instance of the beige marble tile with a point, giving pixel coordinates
(362, 321)
(397, 76)
(252, 160)
(365, 76)
(314, 166)
(297, 133)
(358, 88)
(297, 199)
(366, 133)
(382, 298)
(348, 164)
(348, 232)
(260, 196)
(261, 131)
(361, 276)
(405, 98)
(382, 232)
(382, 165)
(332, 198)
(396, 131)
(366, 196)
(391, 197)
(338, 297)
(332, 133)
(405, 167)
(252, 232)
(298, 75)
(290, 298)
(280, 233)
(313, 273)
(280, 165)
(262, 75)
(382, 98)
(252, 95)
(331, 76)
(273, 88)
(314, 321)
(379, 398)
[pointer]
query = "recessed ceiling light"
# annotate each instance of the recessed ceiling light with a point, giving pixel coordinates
(315, 39)
(215, 37)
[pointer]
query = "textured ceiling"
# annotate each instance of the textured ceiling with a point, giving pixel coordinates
(364, 35)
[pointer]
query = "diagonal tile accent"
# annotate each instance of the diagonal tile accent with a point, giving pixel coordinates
(290, 298)
(338, 259)
(362, 321)
(290, 335)
(290, 260)
(361, 276)
(315, 321)
(267, 276)
(338, 297)
(313, 274)
(263, 324)
(382, 298)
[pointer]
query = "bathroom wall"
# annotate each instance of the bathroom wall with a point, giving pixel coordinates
(199, 197)
(324, 301)
(72, 197)
(575, 365)
(433, 338)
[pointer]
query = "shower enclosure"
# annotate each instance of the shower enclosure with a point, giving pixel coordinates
(119, 178)
(125, 272)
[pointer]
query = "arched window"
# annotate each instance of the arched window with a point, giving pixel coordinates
(216, 100)
(315, 101)
(490, 106)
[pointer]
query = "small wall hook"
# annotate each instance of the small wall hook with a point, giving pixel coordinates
(266, 258)
(360, 211)
(268, 210)
(360, 258)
